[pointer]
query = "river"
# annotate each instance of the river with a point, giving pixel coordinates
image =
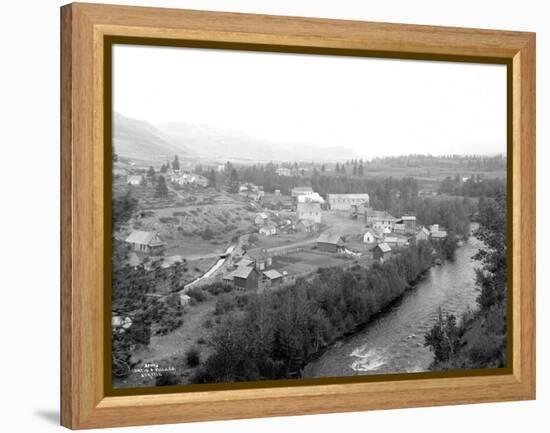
(394, 341)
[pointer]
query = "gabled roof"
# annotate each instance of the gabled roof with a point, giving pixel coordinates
(273, 274)
(242, 272)
(384, 247)
(375, 232)
(331, 238)
(408, 218)
(358, 196)
(379, 214)
(144, 238)
(424, 230)
(245, 261)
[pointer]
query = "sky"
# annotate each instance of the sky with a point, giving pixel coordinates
(375, 107)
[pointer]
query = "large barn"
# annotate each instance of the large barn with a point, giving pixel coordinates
(330, 243)
(346, 201)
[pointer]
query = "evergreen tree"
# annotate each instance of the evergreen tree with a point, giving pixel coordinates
(151, 173)
(162, 189)
(234, 182)
(164, 168)
(176, 163)
(212, 178)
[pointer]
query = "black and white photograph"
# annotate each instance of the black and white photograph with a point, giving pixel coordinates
(285, 216)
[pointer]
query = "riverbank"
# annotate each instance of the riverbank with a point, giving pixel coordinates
(342, 340)
(393, 341)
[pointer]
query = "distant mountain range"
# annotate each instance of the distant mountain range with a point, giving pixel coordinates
(141, 141)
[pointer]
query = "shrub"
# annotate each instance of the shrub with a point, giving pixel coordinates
(207, 234)
(197, 294)
(224, 304)
(193, 357)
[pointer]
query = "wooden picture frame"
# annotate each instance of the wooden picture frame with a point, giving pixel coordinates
(85, 28)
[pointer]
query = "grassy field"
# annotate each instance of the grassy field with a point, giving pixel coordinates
(192, 222)
(306, 261)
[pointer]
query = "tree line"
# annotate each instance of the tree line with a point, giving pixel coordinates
(277, 332)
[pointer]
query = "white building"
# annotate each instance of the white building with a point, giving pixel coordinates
(283, 171)
(311, 198)
(309, 211)
(134, 180)
(346, 201)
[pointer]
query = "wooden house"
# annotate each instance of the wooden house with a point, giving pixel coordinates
(306, 226)
(273, 277)
(381, 252)
(269, 229)
(330, 243)
(379, 220)
(146, 242)
(244, 277)
(261, 218)
(373, 236)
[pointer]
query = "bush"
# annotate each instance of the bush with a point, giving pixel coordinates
(193, 357)
(218, 287)
(207, 234)
(197, 294)
(224, 304)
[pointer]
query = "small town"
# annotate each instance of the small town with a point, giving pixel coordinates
(309, 232)
(200, 249)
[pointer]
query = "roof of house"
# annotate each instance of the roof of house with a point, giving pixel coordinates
(375, 232)
(302, 188)
(308, 207)
(408, 218)
(134, 177)
(356, 196)
(242, 272)
(395, 240)
(379, 214)
(439, 234)
(245, 261)
(384, 247)
(330, 238)
(144, 238)
(273, 274)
